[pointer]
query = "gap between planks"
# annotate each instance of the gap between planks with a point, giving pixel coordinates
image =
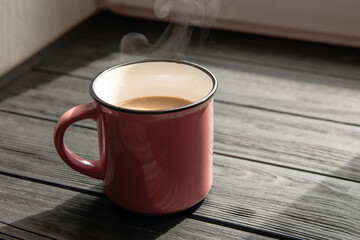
(255, 233)
(37, 235)
(242, 158)
(221, 205)
(58, 73)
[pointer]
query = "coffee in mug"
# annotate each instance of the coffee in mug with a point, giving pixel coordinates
(153, 103)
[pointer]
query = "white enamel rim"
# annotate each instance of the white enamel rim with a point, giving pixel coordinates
(194, 104)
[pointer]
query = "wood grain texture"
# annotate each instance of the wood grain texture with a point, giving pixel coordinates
(271, 73)
(108, 29)
(10, 232)
(301, 177)
(331, 97)
(32, 209)
(297, 56)
(27, 149)
(278, 199)
(297, 93)
(4, 236)
(292, 141)
(245, 194)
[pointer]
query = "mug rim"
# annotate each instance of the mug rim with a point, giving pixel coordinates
(181, 108)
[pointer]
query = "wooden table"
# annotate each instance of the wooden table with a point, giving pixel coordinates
(286, 145)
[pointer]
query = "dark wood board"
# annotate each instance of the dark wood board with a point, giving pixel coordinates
(245, 194)
(37, 211)
(277, 138)
(286, 159)
(333, 98)
(108, 29)
(314, 80)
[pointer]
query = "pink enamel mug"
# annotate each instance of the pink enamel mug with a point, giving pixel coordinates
(153, 162)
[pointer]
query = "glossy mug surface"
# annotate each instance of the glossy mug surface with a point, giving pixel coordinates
(152, 162)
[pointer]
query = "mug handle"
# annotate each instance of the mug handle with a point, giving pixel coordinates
(90, 168)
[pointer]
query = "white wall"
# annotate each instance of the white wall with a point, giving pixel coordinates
(26, 26)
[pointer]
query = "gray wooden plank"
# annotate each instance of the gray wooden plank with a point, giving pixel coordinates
(82, 53)
(62, 214)
(13, 232)
(292, 141)
(287, 221)
(298, 93)
(27, 149)
(245, 194)
(4, 236)
(108, 29)
(294, 55)
(240, 82)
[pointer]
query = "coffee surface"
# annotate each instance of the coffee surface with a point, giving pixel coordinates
(153, 103)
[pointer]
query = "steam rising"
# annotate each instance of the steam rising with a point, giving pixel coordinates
(183, 15)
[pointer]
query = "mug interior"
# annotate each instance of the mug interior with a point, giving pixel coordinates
(154, 78)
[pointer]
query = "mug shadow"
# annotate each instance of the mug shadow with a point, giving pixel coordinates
(88, 217)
